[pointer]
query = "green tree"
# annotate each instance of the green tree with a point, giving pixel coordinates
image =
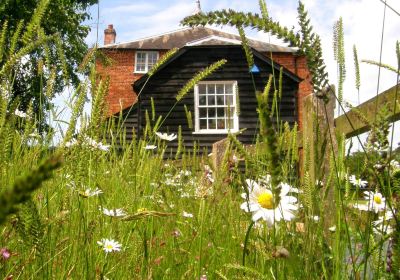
(51, 68)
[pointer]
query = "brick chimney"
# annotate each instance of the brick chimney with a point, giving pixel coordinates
(109, 35)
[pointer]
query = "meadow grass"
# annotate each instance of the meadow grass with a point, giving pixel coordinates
(132, 210)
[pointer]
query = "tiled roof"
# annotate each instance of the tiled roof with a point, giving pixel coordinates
(189, 36)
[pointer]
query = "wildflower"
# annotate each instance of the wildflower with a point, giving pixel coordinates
(113, 212)
(357, 182)
(89, 192)
(165, 136)
(103, 147)
(235, 159)
(185, 173)
(394, 164)
(150, 147)
(20, 114)
(176, 233)
(187, 215)
(261, 202)
(316, 219)
(375, 202)
(381, 225)
(5, 254)
(109, 245)
(332, 229)
(71, 143)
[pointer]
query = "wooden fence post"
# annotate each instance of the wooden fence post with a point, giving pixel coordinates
(319, 142)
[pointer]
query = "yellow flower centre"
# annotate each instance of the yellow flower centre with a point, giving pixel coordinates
(266, 200)
(109, 246)
(377, 199)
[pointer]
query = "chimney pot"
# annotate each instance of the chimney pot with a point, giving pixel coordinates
(109, 35)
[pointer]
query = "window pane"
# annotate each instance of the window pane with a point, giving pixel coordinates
(220, 100)
(228, 88)
(202, 89)
(211, 112)
(211, 100)
(202, 100)
(211, 89)
(229, 99)
(140, 67)
(203, 112)
(152, 59)
(220, 112)
(203, 123)
(212, 124)
(220, 89)
(221, 123)
(141, 58)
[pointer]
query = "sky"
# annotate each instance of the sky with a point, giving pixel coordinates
(363, 20)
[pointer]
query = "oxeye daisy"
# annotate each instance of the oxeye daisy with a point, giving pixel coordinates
(89, 192)
(357, 182)
(20, 114)
(113, 212)
(150, 147)
(187, 215)
(374, 202)
(262, 203)
(165, 136)
(381, 226)
(109, 245)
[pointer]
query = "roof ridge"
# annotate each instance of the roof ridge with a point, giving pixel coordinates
(149, 37)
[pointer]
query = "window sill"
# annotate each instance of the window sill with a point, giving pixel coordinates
(140, 72)
(215, 132)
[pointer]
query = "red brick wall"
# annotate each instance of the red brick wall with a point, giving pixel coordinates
(297, 65)
(121, 73)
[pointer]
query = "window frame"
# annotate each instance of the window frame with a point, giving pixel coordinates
(146, 65)
(235, 127)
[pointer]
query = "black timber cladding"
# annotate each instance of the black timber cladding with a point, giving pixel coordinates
(164, 85)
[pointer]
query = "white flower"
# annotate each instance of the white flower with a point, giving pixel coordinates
(261, 202)
(210, 177)
(187, 215)
(394, 164)
(103, 147)
(165, 136)
(88, 192)
(375, 202)
(185, 172)
(109, 245)
(150, 147)
(332, 229)
(381, 226)
(113, 212)
(357, 182)
(315, 218)
(20, 114)
(71, 143)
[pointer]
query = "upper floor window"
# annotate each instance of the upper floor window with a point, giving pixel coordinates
(215, 107)
(144, 61)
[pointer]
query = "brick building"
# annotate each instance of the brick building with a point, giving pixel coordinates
(213, 101)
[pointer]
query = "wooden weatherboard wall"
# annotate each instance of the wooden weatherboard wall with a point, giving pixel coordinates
(168, 80)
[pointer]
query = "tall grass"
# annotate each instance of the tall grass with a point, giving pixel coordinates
(182, 219)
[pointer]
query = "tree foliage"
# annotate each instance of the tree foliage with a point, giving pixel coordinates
(52, 66)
